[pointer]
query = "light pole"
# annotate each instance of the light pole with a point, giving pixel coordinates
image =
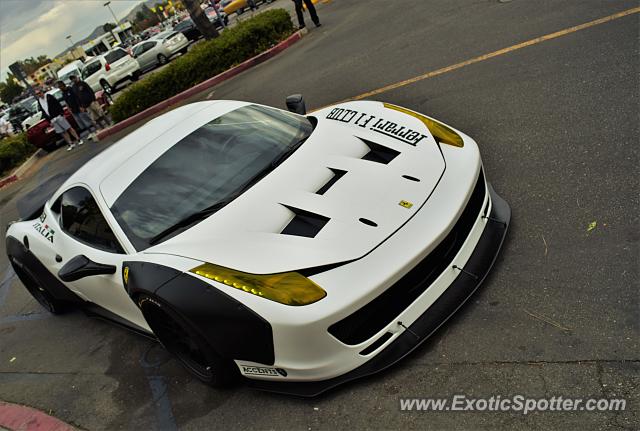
(116, 21)
(70, 41)
(110, 10)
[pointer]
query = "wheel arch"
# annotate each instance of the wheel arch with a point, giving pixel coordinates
(19, 254)
(231, 329)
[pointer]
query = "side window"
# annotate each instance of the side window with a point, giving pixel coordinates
(148, 46)
(81, 218)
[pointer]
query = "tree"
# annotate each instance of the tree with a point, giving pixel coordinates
(30, 65)
(200, 19)
(9, 89)
(107, 27)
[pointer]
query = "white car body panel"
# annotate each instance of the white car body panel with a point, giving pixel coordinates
(247, 230)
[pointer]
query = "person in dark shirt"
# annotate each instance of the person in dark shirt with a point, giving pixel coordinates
(88, 101)
(82, 118)
(52, 110)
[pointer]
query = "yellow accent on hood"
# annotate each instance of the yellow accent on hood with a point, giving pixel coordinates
(439, 131)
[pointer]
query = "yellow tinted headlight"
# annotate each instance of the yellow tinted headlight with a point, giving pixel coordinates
(439, 131)
(289, 288)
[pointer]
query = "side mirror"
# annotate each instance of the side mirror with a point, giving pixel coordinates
(295, 103)
(81, 266)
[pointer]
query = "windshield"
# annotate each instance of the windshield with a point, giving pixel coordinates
(91, 68)
(65, 77)
(208, 168)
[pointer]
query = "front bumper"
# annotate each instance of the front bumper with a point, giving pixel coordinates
(475, 271)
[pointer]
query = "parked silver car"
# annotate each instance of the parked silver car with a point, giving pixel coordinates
(159, 49)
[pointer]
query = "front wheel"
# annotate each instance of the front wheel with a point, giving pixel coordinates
(186, 344)
(162, 59)
(39, 292)
(135, 75)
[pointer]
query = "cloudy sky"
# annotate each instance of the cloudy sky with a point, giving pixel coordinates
(34, 27)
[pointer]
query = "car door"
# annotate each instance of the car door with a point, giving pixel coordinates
(84, 231)
(148, 56)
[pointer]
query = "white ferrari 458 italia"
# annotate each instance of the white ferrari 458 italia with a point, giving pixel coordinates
(299, 251)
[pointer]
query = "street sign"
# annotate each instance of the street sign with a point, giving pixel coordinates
(17, 71)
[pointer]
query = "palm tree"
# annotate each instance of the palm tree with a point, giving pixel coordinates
(200, 19)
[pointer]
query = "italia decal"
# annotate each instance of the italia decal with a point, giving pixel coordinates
(379, 125)
(44, 229)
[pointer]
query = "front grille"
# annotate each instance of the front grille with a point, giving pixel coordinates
(370, 319)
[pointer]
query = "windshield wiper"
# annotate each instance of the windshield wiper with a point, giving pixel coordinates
(189, 220)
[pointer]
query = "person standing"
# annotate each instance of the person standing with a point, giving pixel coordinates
(88, 101)
(83, 120)
(52, 110)
(312, 12)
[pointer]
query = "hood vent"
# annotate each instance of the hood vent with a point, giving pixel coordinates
(337, 174)
(304, 223)
(379, 153)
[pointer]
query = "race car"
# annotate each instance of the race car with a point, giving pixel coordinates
(300, 251)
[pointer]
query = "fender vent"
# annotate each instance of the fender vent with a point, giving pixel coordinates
(337, 174)
(304, 223)
(379, 153)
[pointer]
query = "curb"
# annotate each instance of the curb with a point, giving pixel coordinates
(21, 169)
(17, 417)
(227, 74)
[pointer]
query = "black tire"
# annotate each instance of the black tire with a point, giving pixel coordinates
(240, 11)
(135, 75)
(108, 88)
(184, 50)
(39, 292)
(184, 342)
(162, 59)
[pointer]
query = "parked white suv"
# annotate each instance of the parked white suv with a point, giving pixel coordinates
(110, 69)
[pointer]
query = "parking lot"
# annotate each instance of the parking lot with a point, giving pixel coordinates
(234, 18)
(549, 90)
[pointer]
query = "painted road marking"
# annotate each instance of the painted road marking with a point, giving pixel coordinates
(493, 54)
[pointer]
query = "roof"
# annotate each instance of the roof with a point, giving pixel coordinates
(111, 171)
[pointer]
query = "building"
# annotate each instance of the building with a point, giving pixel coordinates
(48, 71)
(108, 40)
(76, 53)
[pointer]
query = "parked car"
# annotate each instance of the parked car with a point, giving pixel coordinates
(71, 69)
(36, 114)
(188, 29)
(213, 16)
(17, 114)
(238, 6)
(159, 49)
(341, 243)
(110, 69)
(42, 134)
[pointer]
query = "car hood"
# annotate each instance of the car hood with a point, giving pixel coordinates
(361, 175)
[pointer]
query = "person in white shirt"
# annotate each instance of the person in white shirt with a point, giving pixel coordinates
(52, 110)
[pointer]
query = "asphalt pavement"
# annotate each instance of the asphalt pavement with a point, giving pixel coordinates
(557, 125)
